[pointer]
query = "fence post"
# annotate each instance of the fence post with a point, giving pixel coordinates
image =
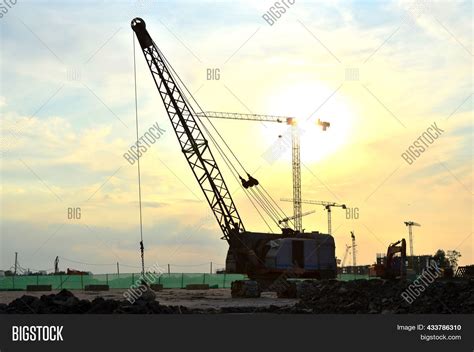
(106, 279)
(182, 280)
(204, 278)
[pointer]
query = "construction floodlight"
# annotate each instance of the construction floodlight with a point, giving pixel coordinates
(323, 124)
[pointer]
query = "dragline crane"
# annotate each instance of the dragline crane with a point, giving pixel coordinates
(295, 150)
(263, 257)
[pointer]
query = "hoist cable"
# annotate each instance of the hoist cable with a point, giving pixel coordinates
(197, 104)
(260, 198)
(283, 214)
(248, 196)
(267, 203)
(264, 206)
(142, 248)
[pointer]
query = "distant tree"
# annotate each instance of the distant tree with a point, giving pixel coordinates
(453, 257)
(440, 258)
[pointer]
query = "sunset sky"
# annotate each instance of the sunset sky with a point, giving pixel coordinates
(381, 72)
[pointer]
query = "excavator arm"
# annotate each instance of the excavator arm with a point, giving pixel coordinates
(194, 145)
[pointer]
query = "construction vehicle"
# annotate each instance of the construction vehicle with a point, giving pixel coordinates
(263, 257)
(76, 272)
(394, 267)
(465, 272)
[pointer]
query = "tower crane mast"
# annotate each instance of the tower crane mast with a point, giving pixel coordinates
(354, 250)
(410, 224)
(296, 172)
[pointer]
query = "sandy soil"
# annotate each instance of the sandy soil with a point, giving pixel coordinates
(214, 298)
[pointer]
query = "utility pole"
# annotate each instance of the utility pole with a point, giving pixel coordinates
(211, 268)
(16, 262)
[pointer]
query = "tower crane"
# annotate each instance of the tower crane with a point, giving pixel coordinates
(284, 221)
(263, 257)
(410, 224)
(348, 248)
(56, 265)
(354, 249)
(326, 205)
(295, 150)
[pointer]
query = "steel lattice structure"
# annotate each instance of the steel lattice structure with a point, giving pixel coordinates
(191, 139)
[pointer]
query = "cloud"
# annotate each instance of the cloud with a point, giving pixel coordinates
(153, 204)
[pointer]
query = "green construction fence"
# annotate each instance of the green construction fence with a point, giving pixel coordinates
(118, 281)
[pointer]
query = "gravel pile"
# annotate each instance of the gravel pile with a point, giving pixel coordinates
(65, 302)
(385, 297)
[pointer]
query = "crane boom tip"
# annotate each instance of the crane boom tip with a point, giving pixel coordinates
(137, 22)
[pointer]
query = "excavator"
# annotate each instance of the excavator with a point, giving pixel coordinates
(262, 257)
(394, 267)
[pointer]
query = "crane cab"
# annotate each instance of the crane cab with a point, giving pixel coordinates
(308, 255)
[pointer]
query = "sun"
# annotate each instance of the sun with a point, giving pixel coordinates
(309, 102)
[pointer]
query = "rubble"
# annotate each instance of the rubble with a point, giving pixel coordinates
(65, 302)
(245, 289)
(385, 297)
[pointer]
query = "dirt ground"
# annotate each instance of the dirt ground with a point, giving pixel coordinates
(202, 299)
